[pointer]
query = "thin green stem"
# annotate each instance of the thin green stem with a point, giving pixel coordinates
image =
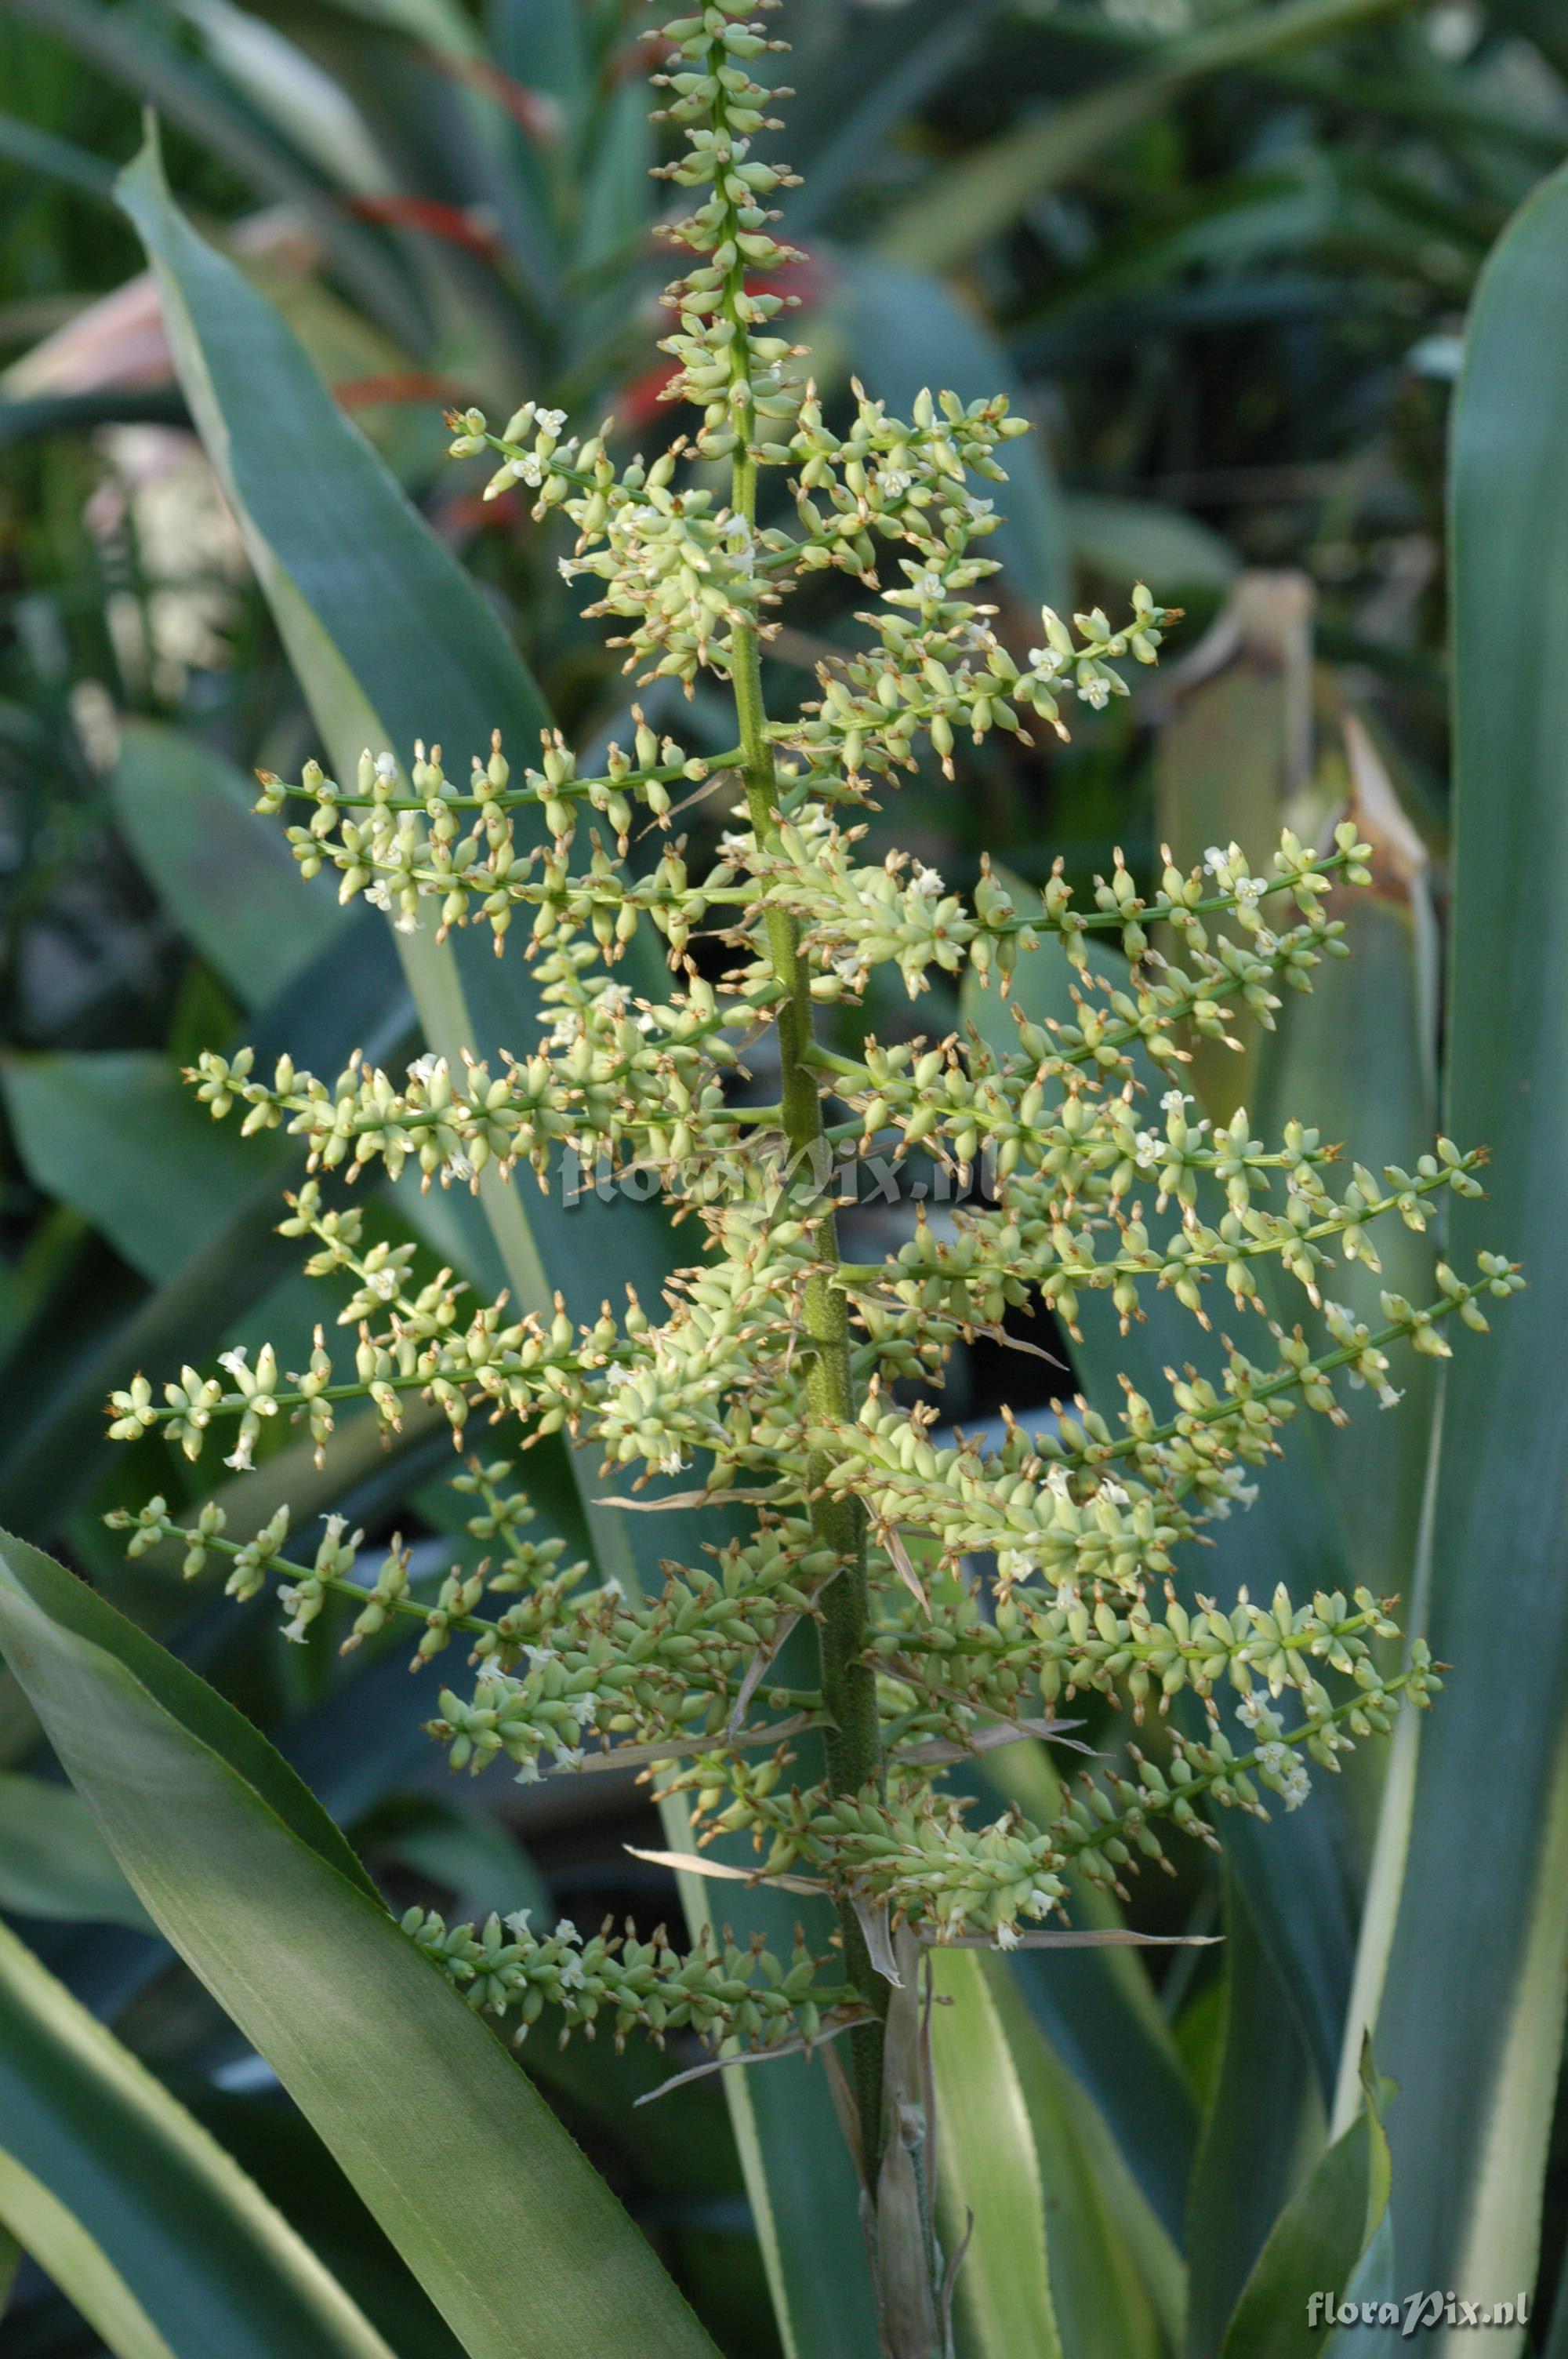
(668, 774)
(853, 1741)
(1179, 1264)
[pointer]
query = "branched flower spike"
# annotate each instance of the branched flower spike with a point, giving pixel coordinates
(960, 1596)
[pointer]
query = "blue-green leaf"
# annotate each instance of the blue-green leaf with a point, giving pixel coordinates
(1469, 1995)
(1319, 2240)
(134, 2211)
(54, 1861)
(116, 1133)
(487, 2200)
(231, 886)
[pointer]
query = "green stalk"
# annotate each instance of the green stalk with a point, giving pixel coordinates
(853, 1740)
(848, 1685)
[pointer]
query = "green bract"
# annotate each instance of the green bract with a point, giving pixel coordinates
(959, 1594)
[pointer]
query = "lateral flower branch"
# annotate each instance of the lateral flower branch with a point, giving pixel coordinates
(959, 1596)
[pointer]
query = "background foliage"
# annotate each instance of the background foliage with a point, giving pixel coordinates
(1227, 257)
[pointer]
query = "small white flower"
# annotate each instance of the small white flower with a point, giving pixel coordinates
(518, 1922)
(1387, 1398)
(457, 1167)
(407, 923)
(1148, 1150)
(537, 1655)
(426, 1068)
(893, 483)
(528, 1775)
(1114, 1492)
(1066, 1596)
(1095, 691)
(1175, 1098)
(613, 1000)
(1007, 1937)
(240, 1458)
(927, 883)
(550, 422)
(234, 1361)
(672, 1463)
(1216, 861)
(1278, 1762)
(1045, 662)
(382, 1283)
(572, 1972)
(1014, 1565)
(532, 470)
(584, 1709)
(1252, 1708)
(932, 588)
(386, 765)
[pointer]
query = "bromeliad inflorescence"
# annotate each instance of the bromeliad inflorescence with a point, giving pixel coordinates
(959, 1596)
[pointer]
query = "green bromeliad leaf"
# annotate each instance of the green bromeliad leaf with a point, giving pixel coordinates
(1319, 2239)
(1463, 1964)
(136, 2212)
(516, 2238)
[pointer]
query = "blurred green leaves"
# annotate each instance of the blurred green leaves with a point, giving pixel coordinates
(980, 197)
(401, 2081)
(230, 886)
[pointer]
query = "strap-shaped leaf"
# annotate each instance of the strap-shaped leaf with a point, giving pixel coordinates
(134, 2211)
(53, 1862)
(1318, 2241)
(35, 2225)
(1469, 1995)
(117, 1135)
(230, 885)
(1254, 2147)
(1062, 2244)
(516, 2238)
